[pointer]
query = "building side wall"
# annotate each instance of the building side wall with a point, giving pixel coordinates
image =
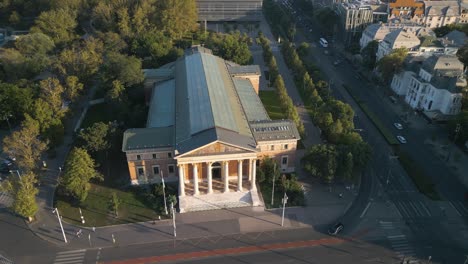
(247, 10)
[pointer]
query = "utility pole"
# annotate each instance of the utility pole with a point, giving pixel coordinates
(457, 130)
(164, 193)
(173, 219)
(273, 188)
(284, 201)
(55, 211)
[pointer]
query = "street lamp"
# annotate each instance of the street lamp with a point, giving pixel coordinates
(17, 172)
(284, 201)
(173, 219)
(164, 192)
(273, 188)
(55, 211)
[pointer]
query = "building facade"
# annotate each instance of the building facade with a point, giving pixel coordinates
(440, 13)
(433, 86)
(207, 130)
(225, 10)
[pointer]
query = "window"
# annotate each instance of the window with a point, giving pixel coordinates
(141, 171)
(284, 160)
(155, 156)
(169, 154)
(171, 169)
(138, 157)
(285, 146)
(272, 147)
(156, 170)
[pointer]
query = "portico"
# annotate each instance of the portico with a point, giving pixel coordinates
(202, 178)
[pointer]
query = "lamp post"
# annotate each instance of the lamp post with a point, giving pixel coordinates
(55, 211)
(164, 193)
(273, 188)
(284, 201)
(17, 172)
(81, 216)
(173, 219)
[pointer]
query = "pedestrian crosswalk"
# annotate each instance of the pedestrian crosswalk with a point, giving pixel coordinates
(5, 200)
(70, 257)
(399, 242)
(412, 209)
(460, 208)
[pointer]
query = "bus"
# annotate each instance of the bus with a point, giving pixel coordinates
(323, 42)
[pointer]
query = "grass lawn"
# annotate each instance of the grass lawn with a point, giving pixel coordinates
(99, 113)
(420, 179)
(272, 104)
(96, 208)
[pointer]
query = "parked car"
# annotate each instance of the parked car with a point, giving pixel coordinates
(401, 139)
(335, 229)
(398, 126)
(337, 62)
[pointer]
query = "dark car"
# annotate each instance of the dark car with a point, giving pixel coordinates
(6, 165)
(334, 230)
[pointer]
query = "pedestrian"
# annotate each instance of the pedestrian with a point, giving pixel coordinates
(94, 229)
(78, 234)
(341, 195)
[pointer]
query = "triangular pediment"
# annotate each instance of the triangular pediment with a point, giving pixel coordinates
(217, 148)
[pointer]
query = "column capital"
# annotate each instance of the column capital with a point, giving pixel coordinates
(180, 165)
(240, 160)
(209, 163)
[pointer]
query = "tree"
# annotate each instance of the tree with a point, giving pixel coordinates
(82, 61)
(116, 92)
(303, 49)
(79, 170)
(369, 54)
(462, 54)
(14, 18)
(51, 91)
(34, 43)
(58, 24)
(126, 69)
(25, 145)
(96, 137)
(328, 18)
(14, 101)
(115, 203)
(392, 63)
(24, 192)
(73, 88)
(320, 161)
(17, 66)
(178, 17)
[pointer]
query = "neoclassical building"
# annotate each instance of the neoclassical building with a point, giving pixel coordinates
(208, 130)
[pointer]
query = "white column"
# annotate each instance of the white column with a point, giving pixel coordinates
(195, 178)
(253, 186)
(239, 175)
(210, 178)
(226, 176)
(181, 180)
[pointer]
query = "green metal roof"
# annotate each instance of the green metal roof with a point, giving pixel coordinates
(148, 138)
(162, 106)
(251, 103)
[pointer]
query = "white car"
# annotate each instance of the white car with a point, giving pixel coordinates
(401, 139)
(398, 126)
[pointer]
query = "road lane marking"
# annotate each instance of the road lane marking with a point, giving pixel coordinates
(456, 210)
(425, 208)
(396, 236)
(415, 209)
(365, 210)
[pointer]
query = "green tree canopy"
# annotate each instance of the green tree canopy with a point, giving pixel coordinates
(392, 63)
(79, 170)
(369, 54)
(320, 161)
(14, 101)
(178, 17)
(97, 137)
(24, 192)
(24, 144)
(59, 24)
(34, 43)
(462, 54)
(126, 69)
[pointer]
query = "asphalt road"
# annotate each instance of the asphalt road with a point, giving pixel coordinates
(423, 225)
